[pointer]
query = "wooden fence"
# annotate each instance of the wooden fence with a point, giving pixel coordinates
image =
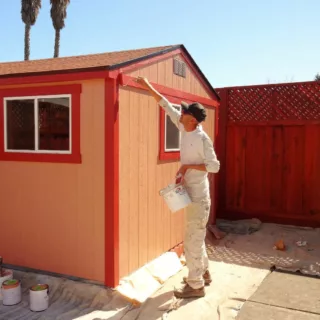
(269, 148)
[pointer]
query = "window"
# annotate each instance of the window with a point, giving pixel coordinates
(172, 134)
(40, 124)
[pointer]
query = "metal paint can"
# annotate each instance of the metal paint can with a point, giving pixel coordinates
(39, 297)
(6, 275)
(11, 292)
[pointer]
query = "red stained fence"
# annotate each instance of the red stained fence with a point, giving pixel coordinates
(269, 148)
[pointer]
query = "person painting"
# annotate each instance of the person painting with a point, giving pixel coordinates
(198, 158)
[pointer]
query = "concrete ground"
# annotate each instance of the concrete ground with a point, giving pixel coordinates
(256, 249)
(284, 297)
(239, 265)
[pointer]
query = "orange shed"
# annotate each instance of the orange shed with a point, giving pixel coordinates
(84, 151)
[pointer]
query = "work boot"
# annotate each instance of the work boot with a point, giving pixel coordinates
(187, 292)
(206, 277)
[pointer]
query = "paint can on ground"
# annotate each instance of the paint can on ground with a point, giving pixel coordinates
(176, 197)
(6, 275)
(11, 292)
(39, 297)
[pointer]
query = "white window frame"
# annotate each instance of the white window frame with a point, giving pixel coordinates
(36, 123)
(165, 131)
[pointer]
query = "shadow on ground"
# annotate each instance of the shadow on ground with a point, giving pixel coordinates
(257, 249)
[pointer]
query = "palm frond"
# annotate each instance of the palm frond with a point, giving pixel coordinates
(29, 14)
(30, 10)
(59, 13)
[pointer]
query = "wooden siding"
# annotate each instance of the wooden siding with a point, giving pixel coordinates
(147, 228)
(162, 73)
(272, 172)
(52, 214)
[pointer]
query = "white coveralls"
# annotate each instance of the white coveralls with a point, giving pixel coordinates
(196, 148)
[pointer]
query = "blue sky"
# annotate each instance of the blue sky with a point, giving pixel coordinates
(234, 42)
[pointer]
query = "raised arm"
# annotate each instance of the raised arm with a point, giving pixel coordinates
(173, 113)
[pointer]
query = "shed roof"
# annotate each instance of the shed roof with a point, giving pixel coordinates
(91, 61)
(108, 61)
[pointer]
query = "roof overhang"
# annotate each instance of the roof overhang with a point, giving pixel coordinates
(106, 71)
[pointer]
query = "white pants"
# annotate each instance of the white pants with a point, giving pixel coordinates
(197, 215)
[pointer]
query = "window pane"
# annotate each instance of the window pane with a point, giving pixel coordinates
(54, 124)
(20, 124)
(172, 135)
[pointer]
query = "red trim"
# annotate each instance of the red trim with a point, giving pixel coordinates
(111, 183)
(113, 74)
(57, 77)
(178, 249)
(130, 82)
(75, 156)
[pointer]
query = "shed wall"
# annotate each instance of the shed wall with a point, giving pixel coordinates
(162, 73)
(52, 214)
(147, 228)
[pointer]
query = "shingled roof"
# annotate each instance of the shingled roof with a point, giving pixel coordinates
(91, 61)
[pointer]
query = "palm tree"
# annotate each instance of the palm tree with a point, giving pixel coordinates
(317, 77)
(58, 15)
(29, 13)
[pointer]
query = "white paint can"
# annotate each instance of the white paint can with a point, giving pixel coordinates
(11, 292)
(176, 197)
(6, 275)
(39, 297)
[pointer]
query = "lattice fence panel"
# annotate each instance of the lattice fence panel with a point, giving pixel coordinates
(53, 126)
(296, 101)
(21, 114)
(20, 124)
(51, 115)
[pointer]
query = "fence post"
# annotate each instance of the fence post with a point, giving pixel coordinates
(220, 147)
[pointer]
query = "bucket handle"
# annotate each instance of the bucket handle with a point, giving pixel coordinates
(179, 179)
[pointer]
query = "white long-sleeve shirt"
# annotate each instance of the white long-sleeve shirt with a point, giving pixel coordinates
(196, 148)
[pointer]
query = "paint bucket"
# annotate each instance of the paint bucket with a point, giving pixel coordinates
(6, 275)
(11, 292)
(175, 196)
(39, 297)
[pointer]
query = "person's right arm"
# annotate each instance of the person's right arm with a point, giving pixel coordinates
(173, 113)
